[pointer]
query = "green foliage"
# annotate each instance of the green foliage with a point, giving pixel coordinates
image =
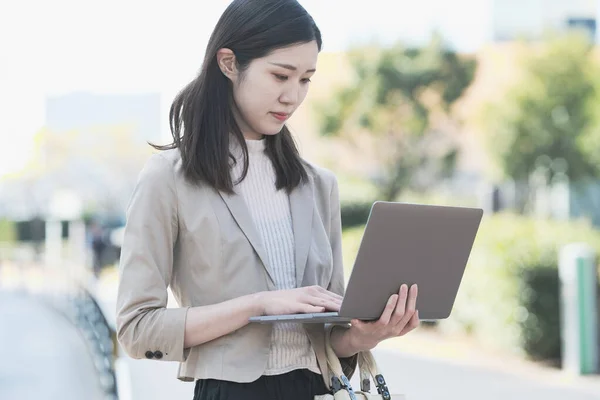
(549, 112)
(7, 231)
(391, 100)
(509, 294)
(354, 189)
(351, 238)
(540, 326)
(355, 213)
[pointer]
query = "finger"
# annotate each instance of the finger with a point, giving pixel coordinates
(357, 323)
(332, 306)
(322, 290)
(412, 298)
(403, 296)
(330, 297)
(411, 304)
(318, 291)
(412, 324)
(399, 311)
(324, 302)
(388, 310)
(335, 296)
(307, 308)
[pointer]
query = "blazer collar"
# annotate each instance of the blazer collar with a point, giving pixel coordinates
(301, 209)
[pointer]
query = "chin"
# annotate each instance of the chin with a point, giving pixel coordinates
(272, 131)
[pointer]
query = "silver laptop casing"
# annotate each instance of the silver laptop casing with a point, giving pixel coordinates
(404, 243)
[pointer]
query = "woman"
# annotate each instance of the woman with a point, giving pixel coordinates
(232, 219)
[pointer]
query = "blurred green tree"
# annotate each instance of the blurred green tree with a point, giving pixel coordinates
(547, 118)
(395, 111)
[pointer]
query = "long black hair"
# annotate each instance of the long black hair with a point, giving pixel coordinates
(201, 117)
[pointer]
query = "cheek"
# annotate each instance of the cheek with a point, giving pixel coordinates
(256, 98)
(303, 93)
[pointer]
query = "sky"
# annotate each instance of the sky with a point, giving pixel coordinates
(54, 47)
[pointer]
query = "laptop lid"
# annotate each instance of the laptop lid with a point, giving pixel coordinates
(411, 243)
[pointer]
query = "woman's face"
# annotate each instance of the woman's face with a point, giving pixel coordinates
(268, 92)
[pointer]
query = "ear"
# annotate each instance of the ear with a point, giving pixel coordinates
(227, 63)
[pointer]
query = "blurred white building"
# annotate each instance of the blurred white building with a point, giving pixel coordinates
(93, 145)
(531, 19)
(86, 111)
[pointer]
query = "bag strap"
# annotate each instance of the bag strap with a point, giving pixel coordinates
(338, 379)
(368, 369)
(365, 376)
(368, 366)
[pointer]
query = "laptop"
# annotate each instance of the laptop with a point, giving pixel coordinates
(404, 243)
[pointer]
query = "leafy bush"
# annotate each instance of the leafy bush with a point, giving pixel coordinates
(355, 213)
(540, 328)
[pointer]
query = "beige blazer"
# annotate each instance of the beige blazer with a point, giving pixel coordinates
(202, 244)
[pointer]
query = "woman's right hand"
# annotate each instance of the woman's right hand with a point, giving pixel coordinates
(310, 299)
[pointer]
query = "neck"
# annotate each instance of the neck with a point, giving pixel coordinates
(253, 136)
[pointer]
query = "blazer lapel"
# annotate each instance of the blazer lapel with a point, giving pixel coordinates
(301, 207)
(238, 208)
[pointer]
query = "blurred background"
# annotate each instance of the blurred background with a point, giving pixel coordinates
(486, 103)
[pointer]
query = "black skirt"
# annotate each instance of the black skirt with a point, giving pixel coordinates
(295, 385)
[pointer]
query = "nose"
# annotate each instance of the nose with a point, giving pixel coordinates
(290, 94)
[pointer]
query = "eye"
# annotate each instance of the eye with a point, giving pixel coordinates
(306, 80)
(282, 78)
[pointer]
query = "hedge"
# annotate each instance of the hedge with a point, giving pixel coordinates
(355, 213)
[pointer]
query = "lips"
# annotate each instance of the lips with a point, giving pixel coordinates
(280, 116)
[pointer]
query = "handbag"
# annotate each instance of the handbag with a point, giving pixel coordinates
(369, 370)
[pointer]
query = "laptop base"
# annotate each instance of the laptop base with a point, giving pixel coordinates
(310, 318)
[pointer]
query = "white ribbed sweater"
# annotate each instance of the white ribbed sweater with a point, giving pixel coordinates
(270, 210)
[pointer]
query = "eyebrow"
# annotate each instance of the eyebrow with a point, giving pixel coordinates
(290, 67)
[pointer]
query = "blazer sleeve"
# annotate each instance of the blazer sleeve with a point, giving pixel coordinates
(145, 327)
(337, 283)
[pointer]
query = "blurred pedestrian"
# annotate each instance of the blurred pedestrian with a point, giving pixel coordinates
(98, 243)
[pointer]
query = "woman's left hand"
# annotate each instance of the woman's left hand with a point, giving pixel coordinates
(398, 318)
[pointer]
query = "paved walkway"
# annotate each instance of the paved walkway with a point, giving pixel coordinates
(42, 355)
(422, 365)
(418, 377)
(427, 378)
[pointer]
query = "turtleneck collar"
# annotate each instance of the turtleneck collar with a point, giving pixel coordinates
(256, 146)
